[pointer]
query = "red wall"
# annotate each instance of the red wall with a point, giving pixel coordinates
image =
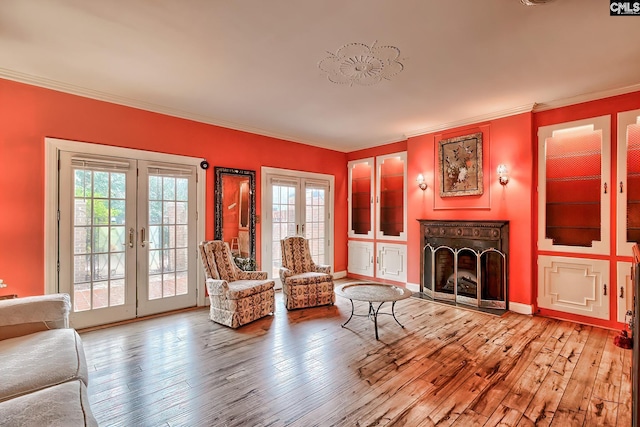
(507, 141)
(28, 114)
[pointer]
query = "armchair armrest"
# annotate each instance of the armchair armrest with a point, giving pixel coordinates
(326, 269)
(23, 316)
(217, 287)
(252, 275)
(284, 273)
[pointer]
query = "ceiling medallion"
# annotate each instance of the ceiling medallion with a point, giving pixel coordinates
(361, 64)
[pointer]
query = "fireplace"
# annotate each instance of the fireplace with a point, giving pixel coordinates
(465, 262)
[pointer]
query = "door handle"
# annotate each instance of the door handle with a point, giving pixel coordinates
(605, 288)
(143, 240)
(132, 233)
(621, 291)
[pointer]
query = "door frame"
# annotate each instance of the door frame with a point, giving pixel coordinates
(265, 229)
(51, 187)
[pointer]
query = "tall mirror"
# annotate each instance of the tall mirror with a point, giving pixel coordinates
(235, 210)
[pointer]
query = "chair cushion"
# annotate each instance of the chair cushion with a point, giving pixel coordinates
(36, 361)
(308, 278)
(65, 404)
(245, 288)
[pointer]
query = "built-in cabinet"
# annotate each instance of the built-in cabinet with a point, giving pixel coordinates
(580, 269)
(378, 217)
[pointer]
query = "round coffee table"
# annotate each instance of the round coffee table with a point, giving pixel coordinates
(372, 292)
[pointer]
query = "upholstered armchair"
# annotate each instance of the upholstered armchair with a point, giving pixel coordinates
(237, 297)
(304, 283)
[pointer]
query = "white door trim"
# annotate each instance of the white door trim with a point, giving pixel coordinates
(52, 148)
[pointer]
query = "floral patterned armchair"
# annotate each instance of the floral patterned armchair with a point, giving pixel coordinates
(237, 297)
(304, 284)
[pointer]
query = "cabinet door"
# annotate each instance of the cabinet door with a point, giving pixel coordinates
(624, 291)
(628, 186)
(361, 258)
(392, 262)
(573, 189)
(391, 197)
(574, 285)
(361, 198)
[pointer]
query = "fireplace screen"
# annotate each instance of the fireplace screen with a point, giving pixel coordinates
(465, 275)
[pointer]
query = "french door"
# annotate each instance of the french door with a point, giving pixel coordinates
(297, 204)
(127, 236)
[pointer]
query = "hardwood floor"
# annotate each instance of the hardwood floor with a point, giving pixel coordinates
(449, 366)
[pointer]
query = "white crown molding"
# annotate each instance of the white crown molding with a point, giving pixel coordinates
(472, 120)
(154, 108)
(550, 105)
(160, 109)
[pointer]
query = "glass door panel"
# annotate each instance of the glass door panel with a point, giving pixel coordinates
(628, 183)
(97, 225)
(391, 196)
(361, 198)
(573, 180)
(283, 219)
(574, 191)
(166, 212)
(633, 183)
(315, 221)
(99, 239)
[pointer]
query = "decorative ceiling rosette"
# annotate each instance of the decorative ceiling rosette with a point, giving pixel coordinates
(361, 64)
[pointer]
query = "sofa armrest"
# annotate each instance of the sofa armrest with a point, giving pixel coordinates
(217, 287)
(252, 275)
(284, 273)
(23, 316)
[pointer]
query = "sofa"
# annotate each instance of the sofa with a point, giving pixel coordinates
(43, 369)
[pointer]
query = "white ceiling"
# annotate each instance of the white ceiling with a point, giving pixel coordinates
(253, 64)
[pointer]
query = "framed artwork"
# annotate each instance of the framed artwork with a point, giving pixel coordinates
(460, 166)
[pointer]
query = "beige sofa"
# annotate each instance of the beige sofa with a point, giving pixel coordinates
(43, 369)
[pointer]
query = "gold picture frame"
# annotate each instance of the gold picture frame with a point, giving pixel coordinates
(460, 166)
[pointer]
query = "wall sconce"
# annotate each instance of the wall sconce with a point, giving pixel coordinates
(421, 182)
(503, 174)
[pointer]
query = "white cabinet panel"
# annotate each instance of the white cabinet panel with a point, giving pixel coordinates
(361, 258)
(392, 262)
(624, 291)
(574, 285)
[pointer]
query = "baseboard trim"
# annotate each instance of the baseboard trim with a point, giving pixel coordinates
(340, 274)
(520, 308)
(413, 287)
